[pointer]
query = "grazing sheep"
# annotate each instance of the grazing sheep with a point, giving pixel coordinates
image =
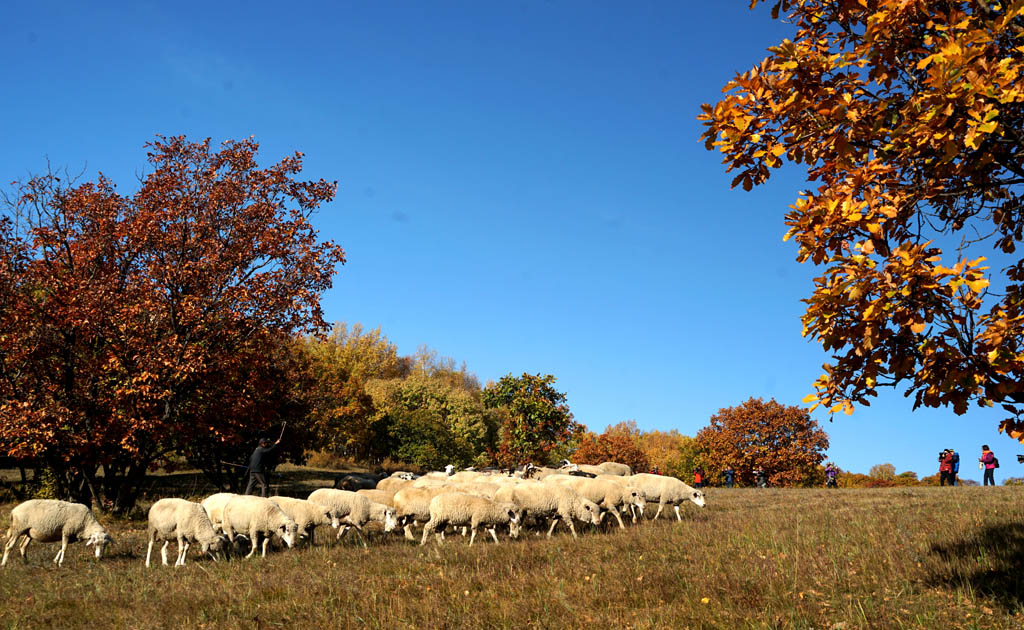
(257, 516)
(48, 520)
(667, 491)
(383, 497)
(214, 506)
(412, 506)
(307, 515)
(468, 510)
(633, 489)
(354, 510)
(609, 495)
(552, 502)
(615, 468)
(184, 521)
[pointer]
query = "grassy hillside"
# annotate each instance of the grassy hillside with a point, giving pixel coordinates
(886, 558)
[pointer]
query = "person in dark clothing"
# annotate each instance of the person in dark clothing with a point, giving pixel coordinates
(730, 477)
(946, 467)
(988, 460)
(761, 477)
(258, 464)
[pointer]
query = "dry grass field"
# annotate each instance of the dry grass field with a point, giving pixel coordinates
(842, 559)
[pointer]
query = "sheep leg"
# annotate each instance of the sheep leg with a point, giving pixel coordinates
(661, 506)
(408, 532)
(182, 550)
(493, 534)
(362, 536)
(163, 551)
(24, 548)
(678, 515)
(472, 536)
(572, 528)
(63, 547)
(619, 519)
(254, 537)
(429, 527)
(554, 524)
(266, 541)
(12, 539)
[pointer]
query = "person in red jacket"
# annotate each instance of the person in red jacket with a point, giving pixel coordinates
(946, 467)
(988, 460)
(698, 477)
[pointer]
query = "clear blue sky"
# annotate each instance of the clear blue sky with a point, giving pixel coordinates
(521, 185)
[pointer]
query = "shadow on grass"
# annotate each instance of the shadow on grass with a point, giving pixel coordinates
(991, 563)
(293, 483)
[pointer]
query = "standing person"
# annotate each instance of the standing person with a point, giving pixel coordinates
(258, 464)
(956, 467)
(698, 477)
(762, 479)
(831, 473)
(730, 476)
(946, 467)
(989, 461)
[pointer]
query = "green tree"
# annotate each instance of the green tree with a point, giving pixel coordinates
(537, 425)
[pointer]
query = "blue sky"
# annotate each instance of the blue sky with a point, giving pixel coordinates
(521, 185)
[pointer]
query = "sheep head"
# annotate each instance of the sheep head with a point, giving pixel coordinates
(99, 540)
(698, 497)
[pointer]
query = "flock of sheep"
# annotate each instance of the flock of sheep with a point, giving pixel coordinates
(467, 499)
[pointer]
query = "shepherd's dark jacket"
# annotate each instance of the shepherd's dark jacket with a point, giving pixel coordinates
(258, 460)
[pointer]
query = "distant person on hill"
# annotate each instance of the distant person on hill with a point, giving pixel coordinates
(730, 476)
(761, 477)
(258, 464)
(831, 474)
(956, 466)
(989, 461)
(698, 477)
(946, 467)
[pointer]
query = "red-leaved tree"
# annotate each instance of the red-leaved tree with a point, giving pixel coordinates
(783, 440)
(136, 325)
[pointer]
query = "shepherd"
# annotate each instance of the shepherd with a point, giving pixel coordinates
(258, 463)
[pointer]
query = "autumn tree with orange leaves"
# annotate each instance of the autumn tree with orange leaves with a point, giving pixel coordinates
(782, 439)
(908, 116)
(618, 443)
(134, 325)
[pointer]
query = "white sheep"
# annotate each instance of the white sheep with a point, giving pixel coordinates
(257, 516)
(467, 510)
(184, 521)
(393, 484)
(552, 502)
(307, 515)
(354, 510)
(49, 520)
(383, 497)
(609, 495)
(667, 491)
(412, 506)
(214, 506)
(615, 468)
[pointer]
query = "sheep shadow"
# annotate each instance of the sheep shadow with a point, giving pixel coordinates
(990, 562)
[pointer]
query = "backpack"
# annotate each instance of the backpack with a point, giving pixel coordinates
(956, 462)
(995, 462)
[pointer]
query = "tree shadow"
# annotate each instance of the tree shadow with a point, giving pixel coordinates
(991, 563)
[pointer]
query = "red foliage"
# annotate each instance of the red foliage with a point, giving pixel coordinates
(611, 447)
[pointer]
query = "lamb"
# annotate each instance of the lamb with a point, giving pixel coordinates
(48, 520)
(214, 506)
(467, 510)
(187, 522)
(358, 481)
(609, 495)
(257, 516)
(412, 506)
(354, 510)
(306, 515)
(667, 490)
(552, 502)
